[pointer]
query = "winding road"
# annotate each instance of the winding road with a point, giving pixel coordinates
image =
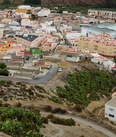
(43, 79)
(84, 122)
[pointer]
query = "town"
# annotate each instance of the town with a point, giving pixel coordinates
(32, 37)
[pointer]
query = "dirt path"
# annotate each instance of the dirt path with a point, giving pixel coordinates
(60, 131)
(86, 123)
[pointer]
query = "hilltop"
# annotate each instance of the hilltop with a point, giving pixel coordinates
(71, 2)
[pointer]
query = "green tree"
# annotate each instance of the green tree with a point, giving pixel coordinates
(2, 65)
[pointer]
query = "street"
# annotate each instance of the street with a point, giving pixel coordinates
(42, 79)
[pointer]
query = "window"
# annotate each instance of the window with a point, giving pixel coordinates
(111, 109)
(110, 115)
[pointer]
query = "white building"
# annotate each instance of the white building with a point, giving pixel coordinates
(25, 22)
(44, 12)
(28, 7)
(110, 109)
(102, 14)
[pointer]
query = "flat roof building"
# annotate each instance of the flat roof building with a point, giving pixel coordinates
(110, 109)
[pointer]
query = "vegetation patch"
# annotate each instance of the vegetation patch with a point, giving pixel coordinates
(86, 86)
(56, 100)
(67, 122)
(20, 122)
(3, 69)
(59, 110)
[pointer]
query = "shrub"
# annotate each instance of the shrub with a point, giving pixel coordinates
(41, 89)
(6, 105)
(2, 65)
(20, 122)
(67, 122)
(45, 120)
(48, 108)
(59, 110)
(18, 104)
(50, 116)
(78, 108)
(5, 98)
(4, 72)
(56, 100)
(40, 95)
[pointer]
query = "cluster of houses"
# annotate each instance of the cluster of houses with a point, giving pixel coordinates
(41, 29)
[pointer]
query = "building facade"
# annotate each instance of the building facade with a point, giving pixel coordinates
(103, 14)
(102, 44)
(110, 109)
(30, 40)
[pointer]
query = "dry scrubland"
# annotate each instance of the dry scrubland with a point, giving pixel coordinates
(43, 97)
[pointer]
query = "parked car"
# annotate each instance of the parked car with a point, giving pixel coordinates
(59, 69)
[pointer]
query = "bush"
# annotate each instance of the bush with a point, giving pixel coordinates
(78, 108)
(2, 65)
(50, 116)
(48, 108)
(20, 122)
(41, 89)
(59, 110)
(67, 122)
(40, 95)
(45, 120)
(6, 105)
(4, 72)
(18, 104)
(56, 100)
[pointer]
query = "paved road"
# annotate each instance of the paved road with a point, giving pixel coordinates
(43, 79)
(86, 123)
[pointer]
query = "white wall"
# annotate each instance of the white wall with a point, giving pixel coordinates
(28, 7)
(25, 22)
(43, 13)
(109, 110)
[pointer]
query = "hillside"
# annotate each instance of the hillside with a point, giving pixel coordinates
(52, 2)
(70, 2)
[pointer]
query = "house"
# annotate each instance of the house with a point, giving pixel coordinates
(49, 44)
(28, 7)
(102, 14)
(71, 53)
(72, 36)
(43, 13)
(25, 22)
(110, 109)
(30, 40)
(21, 11)
(102, 44)
(4, 47)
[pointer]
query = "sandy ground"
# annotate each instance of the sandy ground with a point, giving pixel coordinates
(79, 130)
(3, 135)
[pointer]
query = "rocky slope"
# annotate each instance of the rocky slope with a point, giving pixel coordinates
(70, 2)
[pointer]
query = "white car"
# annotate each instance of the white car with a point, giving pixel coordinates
(59, 69)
